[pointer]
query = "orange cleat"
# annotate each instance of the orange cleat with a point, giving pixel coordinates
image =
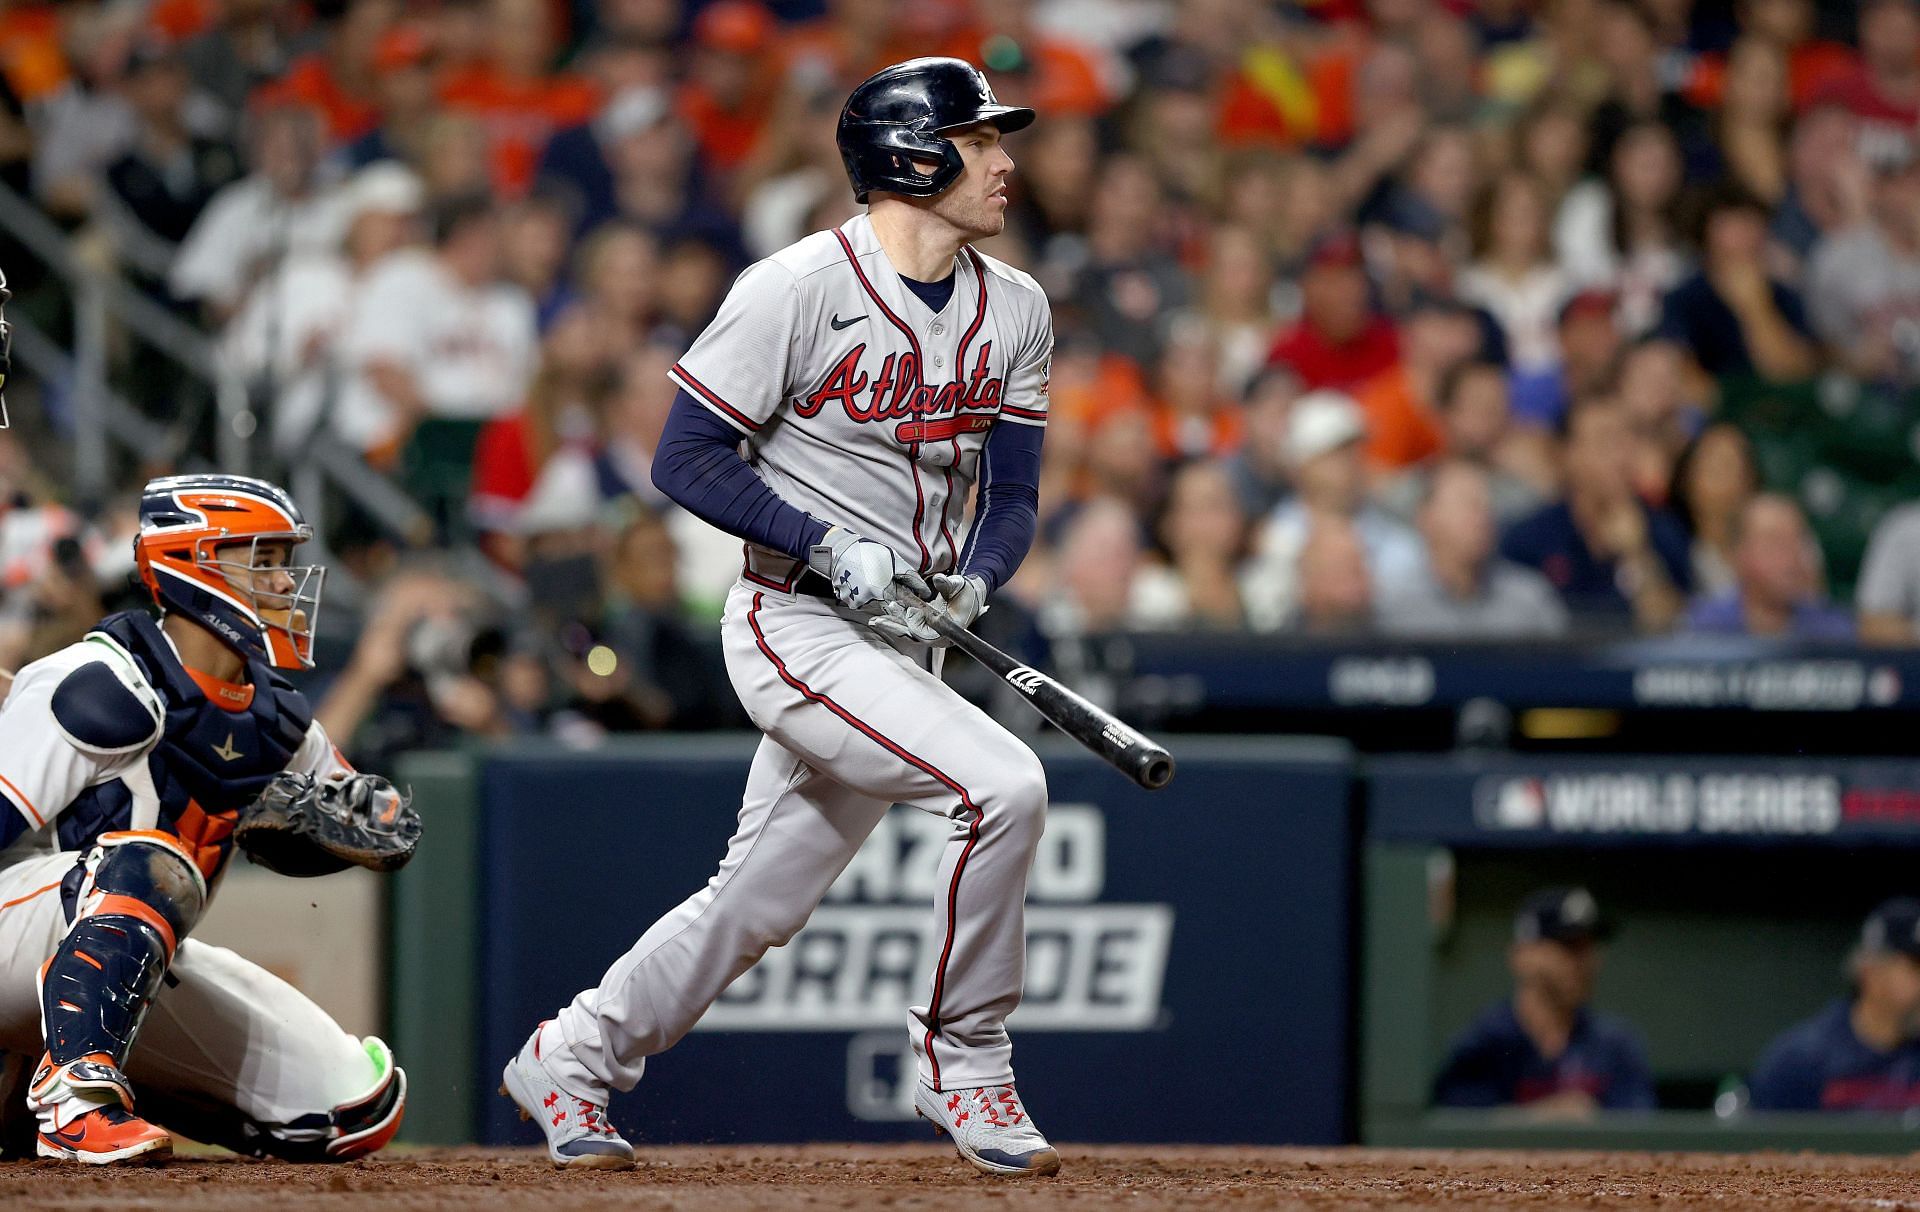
(85, 1112)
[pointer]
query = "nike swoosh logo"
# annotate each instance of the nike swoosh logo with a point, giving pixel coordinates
(837, 323)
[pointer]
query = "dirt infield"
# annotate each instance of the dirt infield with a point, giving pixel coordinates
(912, 1177)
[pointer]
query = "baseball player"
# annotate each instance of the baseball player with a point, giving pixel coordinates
(125, 762)
(853, 389)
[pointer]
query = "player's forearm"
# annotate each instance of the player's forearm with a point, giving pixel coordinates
(1008, 514)
(699, 467)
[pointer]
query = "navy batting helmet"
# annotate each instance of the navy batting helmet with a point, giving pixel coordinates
(902, 112)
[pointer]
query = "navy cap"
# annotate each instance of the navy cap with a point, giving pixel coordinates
(1560, 915)
(1893, 926)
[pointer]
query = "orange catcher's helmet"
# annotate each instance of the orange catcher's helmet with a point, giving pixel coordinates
(198, 553)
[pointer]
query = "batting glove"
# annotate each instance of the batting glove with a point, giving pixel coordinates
(863, 573)
(960, 598)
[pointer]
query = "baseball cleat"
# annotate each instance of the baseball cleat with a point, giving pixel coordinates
(989, 1127)
(578, 1134)
(85, 1114)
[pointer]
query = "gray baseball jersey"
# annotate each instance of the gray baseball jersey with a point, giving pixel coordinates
(859, 404)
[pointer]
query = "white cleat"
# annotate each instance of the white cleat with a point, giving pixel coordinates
(989, 1127)
(578, 1134)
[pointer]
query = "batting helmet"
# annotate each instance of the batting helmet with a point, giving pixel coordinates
(902, 112)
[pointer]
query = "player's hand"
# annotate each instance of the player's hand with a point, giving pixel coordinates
(909, 616)
(863, 573)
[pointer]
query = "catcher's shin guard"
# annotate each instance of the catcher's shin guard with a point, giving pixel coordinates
(140, 894)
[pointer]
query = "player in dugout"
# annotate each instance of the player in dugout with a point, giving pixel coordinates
(1545, 1048)
(1861, 1053)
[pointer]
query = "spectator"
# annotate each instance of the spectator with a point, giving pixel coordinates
(1192, 417)
(168, 174)
(1862, 1053)
(280, 208)
(1731, 315)
(1545, 1048)
(533, 252)
(285, 341)
(436, 335)
(1052, 74)
(1623, 236)
(1202, 536)
(1236, 302)
(1884, 90)
(1476, 427)
(248, 45)
(616, 270)
(1400, 404)
(82, 123)
(514, 95)
(1094, 572)
(406, 100)
(1863, 283)
(693, 277)
(1513, 274)
(1336, 587)
(1339, 342)
(1613, 559)
(1753, 117)
(338, 80)
(728, 95)
(1128, 281)
(1828, 183)
(1463, 590)
(1713, 480)
(1588, 339)
(1259, 467)
(1888, 595)
(1777, 580)
(514, 450)
(1657, 392)
(659, 675)
(1325, 436)
(453, 158)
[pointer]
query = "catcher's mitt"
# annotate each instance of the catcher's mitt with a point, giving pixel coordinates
(302, 826)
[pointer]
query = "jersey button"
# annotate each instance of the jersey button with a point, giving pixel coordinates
(939, 360)
(939, 329)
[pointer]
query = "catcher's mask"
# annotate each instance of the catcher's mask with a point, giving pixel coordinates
(199, 555)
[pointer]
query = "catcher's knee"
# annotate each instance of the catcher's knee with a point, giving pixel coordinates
(147, 876)
(359, 1127)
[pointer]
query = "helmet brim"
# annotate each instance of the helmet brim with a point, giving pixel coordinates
(1008, 118)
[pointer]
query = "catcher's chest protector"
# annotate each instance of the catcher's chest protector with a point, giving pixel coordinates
(208, 763)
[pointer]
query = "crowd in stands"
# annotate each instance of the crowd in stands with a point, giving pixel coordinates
(1430, 318)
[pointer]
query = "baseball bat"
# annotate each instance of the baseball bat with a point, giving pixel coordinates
(1126, 750)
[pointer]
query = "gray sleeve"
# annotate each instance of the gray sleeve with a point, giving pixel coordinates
(1890, 575)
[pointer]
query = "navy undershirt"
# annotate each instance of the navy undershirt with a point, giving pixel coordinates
(933, 294)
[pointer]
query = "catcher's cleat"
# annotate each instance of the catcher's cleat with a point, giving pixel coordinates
(85, 1116)
(578, 1134)
(989, 1127)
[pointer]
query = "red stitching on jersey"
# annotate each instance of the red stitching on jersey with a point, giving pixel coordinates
(1027, 414)
(920, 764)
(707, 393)
(960, 374)
(920, 377)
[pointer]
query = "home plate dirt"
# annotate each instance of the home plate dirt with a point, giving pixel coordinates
(907, 1178)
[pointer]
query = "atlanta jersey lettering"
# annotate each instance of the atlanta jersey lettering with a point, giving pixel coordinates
(858, 403)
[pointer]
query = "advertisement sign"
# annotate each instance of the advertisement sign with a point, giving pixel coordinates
(1191, 939)
(1637, 800)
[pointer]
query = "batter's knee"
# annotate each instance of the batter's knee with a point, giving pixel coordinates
(1014, 794)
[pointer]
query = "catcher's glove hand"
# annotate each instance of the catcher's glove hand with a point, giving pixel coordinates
(301, 826)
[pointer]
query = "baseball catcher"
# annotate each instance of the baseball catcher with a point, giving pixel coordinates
(132, 764)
